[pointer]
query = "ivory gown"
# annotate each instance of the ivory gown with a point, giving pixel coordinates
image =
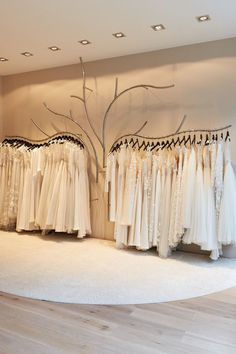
(184, 194)
(45, 188)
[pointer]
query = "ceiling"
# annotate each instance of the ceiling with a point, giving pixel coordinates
(34, 25)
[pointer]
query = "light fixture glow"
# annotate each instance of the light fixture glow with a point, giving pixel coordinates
(54, 48)
(3, 59)
(27, 54)
(159, 27)
(84, 42)
(118, 35)
(203, 18)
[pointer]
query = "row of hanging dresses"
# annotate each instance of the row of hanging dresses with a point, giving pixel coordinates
(159, 199)
(44, 188)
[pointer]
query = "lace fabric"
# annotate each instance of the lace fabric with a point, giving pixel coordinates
(39, 188)
(176, 195)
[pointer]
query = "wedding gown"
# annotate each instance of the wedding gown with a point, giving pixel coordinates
(227, 210)
(197, 232)
(164, 248)
(211, 243)
(121, 231)
(44, 188)
(183, 194)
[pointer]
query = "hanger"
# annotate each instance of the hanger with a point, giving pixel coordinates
(164, 144)
(152, 146)
(207, 142)
(140, 146)
(113, 148)
(172, 142)
(177, 141)
(135, 143)
(155, 145)
(182, 140)
(200, 140)
(146, 146)
(187, 140)
(227, 137)
(131, 141)
(193, 142)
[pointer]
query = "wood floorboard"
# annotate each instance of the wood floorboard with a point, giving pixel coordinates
(205, 325)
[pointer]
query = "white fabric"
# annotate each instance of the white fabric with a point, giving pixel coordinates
(210, 210)
(165, 197)
(188, 188)
(44, 188)
(110, 185)
(227, 209)
(197, 232)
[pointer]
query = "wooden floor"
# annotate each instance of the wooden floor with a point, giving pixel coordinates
(201, 325)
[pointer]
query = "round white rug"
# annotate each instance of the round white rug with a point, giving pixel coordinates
(90, 271)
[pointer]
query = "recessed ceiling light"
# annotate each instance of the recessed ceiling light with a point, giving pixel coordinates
(54, 48)
(27, 54)
(159, 27)
(84, 42)
(3, 59)
(118, 35)
(203, 18)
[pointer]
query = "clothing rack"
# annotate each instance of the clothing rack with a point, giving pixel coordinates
(185, 194)
(37, 143)
(45, 188)
(153, 142)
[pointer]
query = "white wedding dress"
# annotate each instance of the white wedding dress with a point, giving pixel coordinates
(44, 188)
(184, 194)
(227, 210)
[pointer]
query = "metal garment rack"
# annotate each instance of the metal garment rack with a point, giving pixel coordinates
(42, 141)
(177, 133)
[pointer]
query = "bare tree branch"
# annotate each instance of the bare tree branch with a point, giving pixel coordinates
(89, 89)
(42, 131)
(181, 123)
(85, 103)
(116, 88)
(91, 143)
(141, 128)
(116, 97)
(54, 112)
(78, 97)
